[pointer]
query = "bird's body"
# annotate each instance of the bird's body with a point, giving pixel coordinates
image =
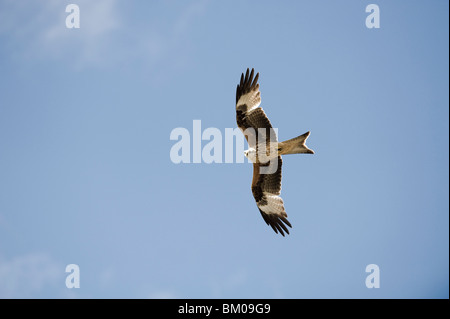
(265, 152)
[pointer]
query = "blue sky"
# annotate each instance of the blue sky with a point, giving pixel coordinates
(86, 177)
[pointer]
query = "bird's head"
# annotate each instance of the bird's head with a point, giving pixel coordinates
(250, 154)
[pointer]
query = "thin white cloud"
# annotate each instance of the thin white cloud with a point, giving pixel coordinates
(3, 223)
(229, 284)
(163, 294)
(107, 277)
(37, 30)
(99, 20)
(194, 10)
(106, 37)
(29, 275)
(232, 284)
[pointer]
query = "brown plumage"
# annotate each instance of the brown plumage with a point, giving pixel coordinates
(265, 152)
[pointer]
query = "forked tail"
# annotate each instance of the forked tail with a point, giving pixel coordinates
(295, 145)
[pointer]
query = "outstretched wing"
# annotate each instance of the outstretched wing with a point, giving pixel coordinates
(249, 116)
(253, 122)
(266, 189)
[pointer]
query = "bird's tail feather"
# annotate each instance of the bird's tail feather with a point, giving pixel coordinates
(295, 145)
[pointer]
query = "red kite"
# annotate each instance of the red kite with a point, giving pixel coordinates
(265, 152)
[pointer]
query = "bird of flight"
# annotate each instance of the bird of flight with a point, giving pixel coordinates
(265, 152)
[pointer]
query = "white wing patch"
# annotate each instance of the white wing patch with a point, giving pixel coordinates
(275, 205)
(252, 99)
